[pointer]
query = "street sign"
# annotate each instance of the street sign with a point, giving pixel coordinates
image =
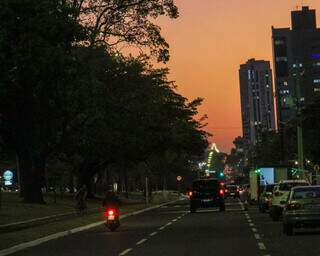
(179, 178)
(8, 176)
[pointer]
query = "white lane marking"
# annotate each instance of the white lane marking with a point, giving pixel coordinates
(174, 220)
(257, 236)
(141, 241)
(169, 223)
(254, 230)
(251, 224)
(241, 205)
(153, 234)
(249, 220)
(125, 252)
(262, 246)
(163, 227)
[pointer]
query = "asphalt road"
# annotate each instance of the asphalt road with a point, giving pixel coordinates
(172, 230)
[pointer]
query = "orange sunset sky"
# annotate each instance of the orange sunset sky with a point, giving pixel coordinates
(210, 40)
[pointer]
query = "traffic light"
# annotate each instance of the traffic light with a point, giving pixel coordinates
(294, 171)
(257, 171)
(221, 174)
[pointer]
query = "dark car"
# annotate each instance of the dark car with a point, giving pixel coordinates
(232, 191)
(207, 193)
(302, 210)
(265, 197)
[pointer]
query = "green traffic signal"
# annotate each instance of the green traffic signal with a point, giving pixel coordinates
(221, 174)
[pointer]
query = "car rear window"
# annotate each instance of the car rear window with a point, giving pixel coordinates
(269, 188)
(288, 186)
(205, 185)
(305, 193)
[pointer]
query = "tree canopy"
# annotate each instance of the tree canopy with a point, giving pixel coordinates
(69, 96)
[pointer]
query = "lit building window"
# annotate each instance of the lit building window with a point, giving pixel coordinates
(249, 74)
(294, 65)
(278, 42)
(317, 64)
(267, 86)
(316, 81)
(285, 83)
(281, 59)
(316, 89)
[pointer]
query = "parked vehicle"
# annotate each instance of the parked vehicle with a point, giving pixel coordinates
(280, 196)
(302, 209)
(207, 193)
(265, 197)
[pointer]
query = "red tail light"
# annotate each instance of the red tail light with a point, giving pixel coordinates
(221, 192)
(109, 212)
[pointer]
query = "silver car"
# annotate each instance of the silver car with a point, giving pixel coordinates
(302, 209)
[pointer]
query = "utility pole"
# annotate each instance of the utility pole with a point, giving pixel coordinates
(299, 121)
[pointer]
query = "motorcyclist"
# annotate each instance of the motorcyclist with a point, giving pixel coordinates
(111, 200)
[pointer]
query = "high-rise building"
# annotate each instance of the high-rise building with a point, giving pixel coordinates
(296, 53)
(257, 105)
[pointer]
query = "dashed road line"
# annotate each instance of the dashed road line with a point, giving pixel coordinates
(261, 246)
(141, 241)
(174, 220)
(257, 236)
(154, 233)
(251, 224)
(254, 230)
(169, 223)
(125, 252)
(162, 228)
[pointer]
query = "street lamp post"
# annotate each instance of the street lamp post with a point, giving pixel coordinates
(299, 121)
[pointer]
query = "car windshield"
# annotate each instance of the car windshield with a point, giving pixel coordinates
(205, 186)
(306, 193)
(288, 186)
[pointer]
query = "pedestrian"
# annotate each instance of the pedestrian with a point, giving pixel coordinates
(81, 197)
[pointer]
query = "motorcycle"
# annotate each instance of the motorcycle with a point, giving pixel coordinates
(112, 219)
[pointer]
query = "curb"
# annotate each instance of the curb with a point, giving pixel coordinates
(41, 240)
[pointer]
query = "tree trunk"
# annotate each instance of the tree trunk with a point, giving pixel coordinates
(125, 173)
(32, 178)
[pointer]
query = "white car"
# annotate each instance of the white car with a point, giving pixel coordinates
(280, 196)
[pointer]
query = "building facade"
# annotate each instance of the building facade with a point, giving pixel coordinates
(296, 54)
(257, 104)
